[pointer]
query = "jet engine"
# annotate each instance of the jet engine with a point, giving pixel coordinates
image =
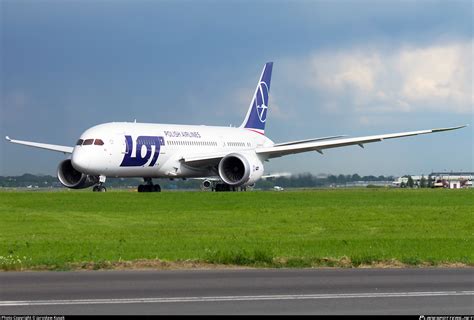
(71, 178)
(240, 169)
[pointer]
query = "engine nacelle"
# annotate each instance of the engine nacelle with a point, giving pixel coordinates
(71, 178)
(240, 169)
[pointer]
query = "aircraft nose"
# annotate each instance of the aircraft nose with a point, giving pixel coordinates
(79, 160)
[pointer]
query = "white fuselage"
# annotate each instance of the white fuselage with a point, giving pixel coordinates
(155, 150)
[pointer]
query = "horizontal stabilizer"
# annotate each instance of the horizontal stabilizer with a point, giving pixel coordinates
(276, 175)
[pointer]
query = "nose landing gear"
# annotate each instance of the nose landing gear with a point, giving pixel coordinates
(100, 187)
(149, 186)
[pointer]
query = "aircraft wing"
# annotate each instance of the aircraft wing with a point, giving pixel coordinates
(264, 177)
(205, 160)
(210, 160)
(52, 147)
(282, 149)
(307, 140)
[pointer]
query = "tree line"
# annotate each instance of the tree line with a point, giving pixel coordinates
(308, 180)
(303, 180)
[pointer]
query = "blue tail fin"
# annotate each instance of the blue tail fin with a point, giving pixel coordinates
(257, 113)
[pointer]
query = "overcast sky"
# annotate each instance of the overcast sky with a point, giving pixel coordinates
(340, 67)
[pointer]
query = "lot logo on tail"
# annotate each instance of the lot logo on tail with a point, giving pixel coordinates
(152, 146)
(262, 101)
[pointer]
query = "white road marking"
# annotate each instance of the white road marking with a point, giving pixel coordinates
(237, 298)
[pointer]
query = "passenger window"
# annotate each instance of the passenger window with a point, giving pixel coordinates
(98, 142)
(79, 142)
(88, 142)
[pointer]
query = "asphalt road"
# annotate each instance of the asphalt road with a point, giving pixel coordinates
(320, 291)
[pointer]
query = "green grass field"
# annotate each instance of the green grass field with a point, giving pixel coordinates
(64, 230)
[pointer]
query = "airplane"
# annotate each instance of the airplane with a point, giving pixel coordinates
(227, 158)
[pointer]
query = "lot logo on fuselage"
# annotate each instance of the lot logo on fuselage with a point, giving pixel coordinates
(152, 145)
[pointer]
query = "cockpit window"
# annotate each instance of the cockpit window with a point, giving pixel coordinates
(88, 142)
(79, 142)
(98, 142)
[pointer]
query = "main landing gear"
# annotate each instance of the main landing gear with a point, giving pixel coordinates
(223, 187)
(100, 187)
(149, 186)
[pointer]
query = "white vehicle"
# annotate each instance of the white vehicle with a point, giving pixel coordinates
(230, 157)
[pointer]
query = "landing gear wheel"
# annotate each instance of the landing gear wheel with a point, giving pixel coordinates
(222, 187)
(149, 188)
(99, 189)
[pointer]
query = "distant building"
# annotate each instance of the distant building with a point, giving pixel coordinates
(451, 180)
(403, 181)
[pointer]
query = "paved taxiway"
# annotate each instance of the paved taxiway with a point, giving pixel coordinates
(320, 291)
